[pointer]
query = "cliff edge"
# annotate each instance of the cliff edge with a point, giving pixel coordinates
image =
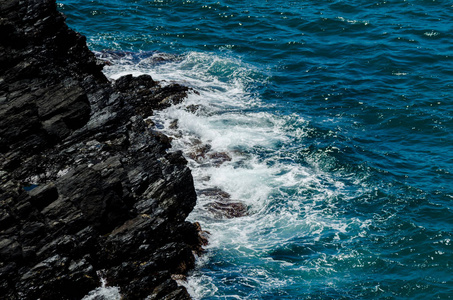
(88, 189)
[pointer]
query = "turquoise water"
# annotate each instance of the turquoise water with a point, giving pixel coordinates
(338, 120)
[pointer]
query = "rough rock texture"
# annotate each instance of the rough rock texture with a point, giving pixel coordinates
(87, 187)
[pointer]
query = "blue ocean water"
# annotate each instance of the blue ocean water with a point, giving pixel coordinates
(337, 117)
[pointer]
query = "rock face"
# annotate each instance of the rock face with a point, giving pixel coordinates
(87, 188)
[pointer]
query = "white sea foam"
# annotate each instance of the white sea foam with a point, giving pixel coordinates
(286, 200)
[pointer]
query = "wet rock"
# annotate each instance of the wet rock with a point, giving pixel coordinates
(193, 108)
(229, 210)
(203, 236)
(138, 84)
(215, 193)
(86, 183)
(221, 206)
(218, 158)
(174, 124)
(199, 152)
(169, 291)
(147, 94)
(203, 154)
(171, 94)
(196, 108)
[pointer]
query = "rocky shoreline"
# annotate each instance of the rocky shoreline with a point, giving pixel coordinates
(88, 188)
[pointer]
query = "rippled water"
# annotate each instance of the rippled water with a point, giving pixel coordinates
(334, 120)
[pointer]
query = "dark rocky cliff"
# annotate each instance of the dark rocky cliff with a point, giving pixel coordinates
(87, 187)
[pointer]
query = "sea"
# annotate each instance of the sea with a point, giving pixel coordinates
(328, 124)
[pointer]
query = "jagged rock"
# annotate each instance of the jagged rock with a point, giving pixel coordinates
(147, 94)
(215, 193)
(199, 152)
(227, 209)
(87, 185)
(221, 205)
(203, 154)
(168, 291)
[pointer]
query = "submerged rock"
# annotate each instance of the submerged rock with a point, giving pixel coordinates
(203, 155)
(227, 209)
(86, 184)
(221, 206)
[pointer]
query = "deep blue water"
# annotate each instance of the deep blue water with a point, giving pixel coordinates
(338, 118)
